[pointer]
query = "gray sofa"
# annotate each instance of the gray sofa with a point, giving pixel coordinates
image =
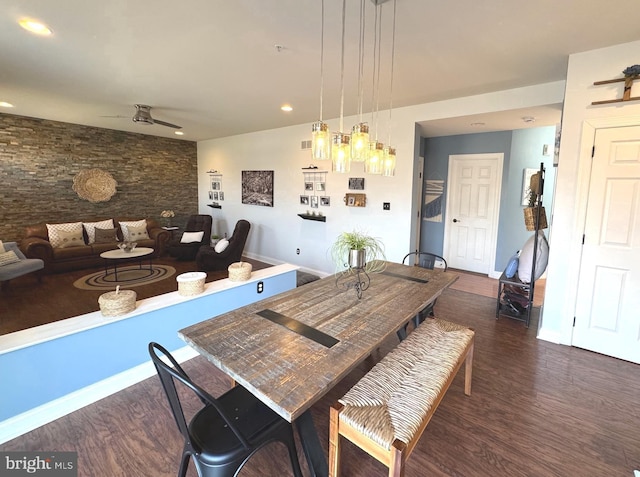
(17, 269)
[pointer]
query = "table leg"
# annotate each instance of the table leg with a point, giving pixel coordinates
(311, 445)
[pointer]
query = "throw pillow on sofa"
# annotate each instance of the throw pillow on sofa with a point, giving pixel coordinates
(53, 230)
(190, 237)
(105, 235)
(8, 257)
(90, 227)
(138, 233)
(2, 247)
(124, 226)
(70, 239)
(221, 246)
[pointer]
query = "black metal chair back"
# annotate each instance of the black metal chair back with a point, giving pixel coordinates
(426, 260)
(225, 432)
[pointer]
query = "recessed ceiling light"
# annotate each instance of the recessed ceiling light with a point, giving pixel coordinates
(179, 133)
(529, 119)
(35, 26)
(286, 107)
(4, 104)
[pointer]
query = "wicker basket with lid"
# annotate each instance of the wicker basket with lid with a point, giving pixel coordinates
(240, 271)
(117, 302)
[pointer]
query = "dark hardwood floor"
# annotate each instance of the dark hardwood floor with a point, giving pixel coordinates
(27, 303)
(536, 409)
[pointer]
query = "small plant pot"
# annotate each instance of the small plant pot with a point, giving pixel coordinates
(357, 258)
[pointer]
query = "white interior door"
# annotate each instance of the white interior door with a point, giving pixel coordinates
(608, 303)
(473, 197)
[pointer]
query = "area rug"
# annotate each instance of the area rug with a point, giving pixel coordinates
(129, 277)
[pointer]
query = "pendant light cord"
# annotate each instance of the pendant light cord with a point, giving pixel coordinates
(361, 60)
(375, 65)
(393, 52)
(321, 57)
(344, 8)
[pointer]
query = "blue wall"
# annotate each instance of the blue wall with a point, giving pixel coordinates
(522, 149)
(40, 373)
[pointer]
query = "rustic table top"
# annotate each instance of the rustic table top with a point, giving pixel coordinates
(290, 349)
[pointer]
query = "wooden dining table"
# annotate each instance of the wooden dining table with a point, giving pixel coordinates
(291, 349)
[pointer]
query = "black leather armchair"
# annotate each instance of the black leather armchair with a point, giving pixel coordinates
(188, 251)
(208, 259)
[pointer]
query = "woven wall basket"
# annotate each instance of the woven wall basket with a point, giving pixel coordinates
(240, 271)
(530, 218)
(117, 303)
(94, 185)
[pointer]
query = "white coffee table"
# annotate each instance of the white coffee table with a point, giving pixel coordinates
(115, 257)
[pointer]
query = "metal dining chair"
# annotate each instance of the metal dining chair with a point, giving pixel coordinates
(425, 260)
(227, 431)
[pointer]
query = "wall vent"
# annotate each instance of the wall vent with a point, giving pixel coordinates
(305, 145)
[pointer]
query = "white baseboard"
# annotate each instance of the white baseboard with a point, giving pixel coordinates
(41, 415)
(547, 335)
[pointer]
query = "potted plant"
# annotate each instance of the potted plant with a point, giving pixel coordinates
(356, 250)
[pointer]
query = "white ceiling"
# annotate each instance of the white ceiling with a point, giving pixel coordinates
(212, 65)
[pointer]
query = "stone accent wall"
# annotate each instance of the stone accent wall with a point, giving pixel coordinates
(39, 159)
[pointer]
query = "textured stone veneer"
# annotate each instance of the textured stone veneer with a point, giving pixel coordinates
(39, 158)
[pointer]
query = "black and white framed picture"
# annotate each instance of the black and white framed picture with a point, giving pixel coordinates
(314, 201)
(304, 200)
(215, 196)
(215, 185)
(321, 186)
(356, 183)
(325, 200)
(257, 188)
(308, 186)
(210, 195)
(221, 195)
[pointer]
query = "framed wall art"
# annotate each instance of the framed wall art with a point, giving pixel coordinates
(356, 183)
(257, 188)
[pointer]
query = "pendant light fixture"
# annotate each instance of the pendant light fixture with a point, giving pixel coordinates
(320, 135)
(340, 142)
(360, 131)
(375, 156)
(389, 162)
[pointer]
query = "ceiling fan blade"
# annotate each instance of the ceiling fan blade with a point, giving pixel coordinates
(163, 123)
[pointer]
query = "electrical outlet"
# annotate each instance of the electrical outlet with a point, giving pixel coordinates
(260, 287)
(386, 206)
(297, 251)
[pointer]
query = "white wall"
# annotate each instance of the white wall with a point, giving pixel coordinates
(573, 173)
(277, 232)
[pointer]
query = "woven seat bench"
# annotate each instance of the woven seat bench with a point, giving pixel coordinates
(387, 411)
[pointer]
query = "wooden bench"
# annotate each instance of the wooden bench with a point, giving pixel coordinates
(387, 411)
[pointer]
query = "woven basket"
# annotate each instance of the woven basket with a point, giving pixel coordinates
(240, 271)
(191, 283)
(530, 218)
(117, 303)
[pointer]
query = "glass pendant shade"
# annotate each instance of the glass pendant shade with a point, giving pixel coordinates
(373, 163)
(341, 152)
(320, 141)
(359, 142)
(389, 164)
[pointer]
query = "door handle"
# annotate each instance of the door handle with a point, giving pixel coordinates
(456, 220)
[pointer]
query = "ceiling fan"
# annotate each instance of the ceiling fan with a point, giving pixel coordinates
(143, 116)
